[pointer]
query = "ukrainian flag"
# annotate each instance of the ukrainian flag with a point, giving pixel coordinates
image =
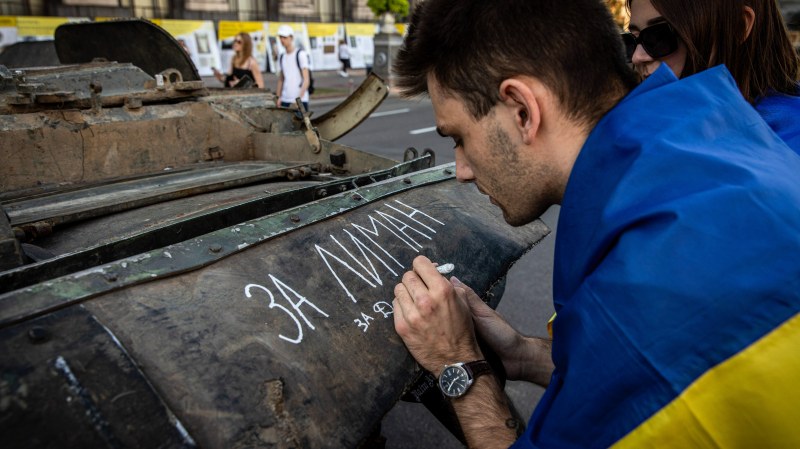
(677, 278)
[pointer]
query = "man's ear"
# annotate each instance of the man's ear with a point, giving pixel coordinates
(749, 20)
(521, 100)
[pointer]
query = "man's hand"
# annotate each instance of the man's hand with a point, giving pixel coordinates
(433, 321)
(493, 329)
(524, 358)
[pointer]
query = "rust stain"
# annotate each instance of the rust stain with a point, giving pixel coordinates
(287, 430)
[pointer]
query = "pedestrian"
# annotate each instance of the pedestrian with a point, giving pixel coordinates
(245, 71)
(676, 277)
(344, 58)
(748, 36)
(294, 76)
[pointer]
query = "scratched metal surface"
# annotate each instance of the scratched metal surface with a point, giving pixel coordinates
(126, 194)
(67, 383)
(290, 343)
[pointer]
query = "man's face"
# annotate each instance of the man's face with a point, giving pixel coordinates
(490, 153)
(286, 41)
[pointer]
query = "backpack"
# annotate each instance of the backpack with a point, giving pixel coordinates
(310, 75)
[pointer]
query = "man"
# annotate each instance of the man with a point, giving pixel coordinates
(294, 78)
(344, 58)
(677, 265)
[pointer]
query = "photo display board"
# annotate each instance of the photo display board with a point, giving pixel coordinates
(199, 40)
(361, 40)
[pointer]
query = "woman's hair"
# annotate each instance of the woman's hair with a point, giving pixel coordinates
(471, 46)
(714, 33)
(246, 49)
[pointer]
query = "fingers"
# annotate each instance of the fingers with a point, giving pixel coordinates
(400, 320)
(405, 310)
(426, 270)
(425, 281)
(420, 296)
(402, 300)
(476, 305)
(433, 317)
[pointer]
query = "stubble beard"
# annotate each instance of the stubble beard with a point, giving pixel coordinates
(516, 180)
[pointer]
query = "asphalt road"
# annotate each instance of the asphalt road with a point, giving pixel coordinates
(527, 303)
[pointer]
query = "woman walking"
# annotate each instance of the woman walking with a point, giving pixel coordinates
(244, 68)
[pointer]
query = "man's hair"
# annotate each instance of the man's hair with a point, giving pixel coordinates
(713, 32)
(471, 46)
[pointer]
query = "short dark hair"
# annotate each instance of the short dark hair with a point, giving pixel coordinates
(713, 33)
(471, 46)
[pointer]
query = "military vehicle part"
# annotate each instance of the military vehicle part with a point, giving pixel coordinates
(250, 335)
(155, 49)
(191, 267)
(348, 114)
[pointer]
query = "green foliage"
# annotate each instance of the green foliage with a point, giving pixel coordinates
(398, 7)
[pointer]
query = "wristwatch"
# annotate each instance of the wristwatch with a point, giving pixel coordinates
(455, 379)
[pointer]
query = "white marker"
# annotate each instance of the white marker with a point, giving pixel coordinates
(445, 268)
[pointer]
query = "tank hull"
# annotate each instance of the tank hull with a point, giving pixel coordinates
(284, 337)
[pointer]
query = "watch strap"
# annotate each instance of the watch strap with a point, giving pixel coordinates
(478, 367)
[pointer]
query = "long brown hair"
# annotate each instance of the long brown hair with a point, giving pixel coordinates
(246, 49)
(714, 33)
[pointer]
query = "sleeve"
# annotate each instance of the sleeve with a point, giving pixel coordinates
(304, 60)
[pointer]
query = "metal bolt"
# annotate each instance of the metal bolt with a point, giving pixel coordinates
(322, 193)
(215, 248)
(447, 171)
(406, 181)
(357, 197)
(111, 276)
(295, 218)
(38, 335)
(292, 174)
(133, 103)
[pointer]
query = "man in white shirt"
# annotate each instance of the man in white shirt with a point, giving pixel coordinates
(344, 58)
(294, 76)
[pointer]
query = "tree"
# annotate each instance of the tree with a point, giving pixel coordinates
(397, 7)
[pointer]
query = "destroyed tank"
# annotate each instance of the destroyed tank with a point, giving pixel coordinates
(183, 266)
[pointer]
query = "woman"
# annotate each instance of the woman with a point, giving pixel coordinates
(748, 36)
(243, 65)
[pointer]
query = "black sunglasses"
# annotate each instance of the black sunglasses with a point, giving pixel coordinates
(658, 41)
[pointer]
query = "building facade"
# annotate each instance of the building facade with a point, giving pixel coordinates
(242, 10)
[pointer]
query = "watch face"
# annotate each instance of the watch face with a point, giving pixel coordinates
(454, 381)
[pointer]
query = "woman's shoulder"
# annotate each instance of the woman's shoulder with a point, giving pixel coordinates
(778, 103)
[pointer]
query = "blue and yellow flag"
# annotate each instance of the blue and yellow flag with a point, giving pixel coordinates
(677, 278)
(782, 114)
